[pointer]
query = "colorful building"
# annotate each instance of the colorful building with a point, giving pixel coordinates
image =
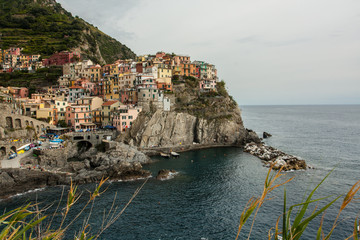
(61, 58)
(124, 117)
(208, 85)
(79, 117)
(164, 84)
(106, 109)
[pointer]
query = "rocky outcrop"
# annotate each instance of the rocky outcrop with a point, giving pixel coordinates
(115, 160)
(266, 135)
(275, 158)
(14, 181)
(176, 129)
(165, 174)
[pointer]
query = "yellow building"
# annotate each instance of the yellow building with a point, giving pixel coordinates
(164, 72)
(114, 69)
(45, 114)
(96, 116)
(95, 73)
(177, 70)
(106, 111)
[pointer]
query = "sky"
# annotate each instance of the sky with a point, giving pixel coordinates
(269, 52)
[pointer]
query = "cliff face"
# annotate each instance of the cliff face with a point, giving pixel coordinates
(168, 129)
(196, 119)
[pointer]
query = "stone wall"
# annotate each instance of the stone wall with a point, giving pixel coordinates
(9, 120)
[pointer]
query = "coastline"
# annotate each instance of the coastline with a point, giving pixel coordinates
(155, 151)
(24, 180)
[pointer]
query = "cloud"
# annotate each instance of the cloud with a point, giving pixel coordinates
(297, 47)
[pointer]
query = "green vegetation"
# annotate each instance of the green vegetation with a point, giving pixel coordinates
(294, 224)
(44, 27)
(41, 78)
(216, 105)
(62, 123)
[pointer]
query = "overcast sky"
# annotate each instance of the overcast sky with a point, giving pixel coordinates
(267, 51)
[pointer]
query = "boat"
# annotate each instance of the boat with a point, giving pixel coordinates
(175, 154)
(164, 155)
(12, 155)
(56, 140)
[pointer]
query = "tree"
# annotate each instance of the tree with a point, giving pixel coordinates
(62, 123)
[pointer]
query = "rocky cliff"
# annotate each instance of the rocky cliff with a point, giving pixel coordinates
(196, 119)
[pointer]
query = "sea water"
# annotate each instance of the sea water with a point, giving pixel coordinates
(206, 198)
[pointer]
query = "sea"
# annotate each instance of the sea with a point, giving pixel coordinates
(207, 196)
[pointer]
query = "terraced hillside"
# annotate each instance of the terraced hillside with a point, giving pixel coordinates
(44, 27)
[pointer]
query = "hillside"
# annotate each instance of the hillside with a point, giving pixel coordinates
(44, 27)
(43, 77)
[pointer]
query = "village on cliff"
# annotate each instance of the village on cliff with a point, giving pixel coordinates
(89, 96)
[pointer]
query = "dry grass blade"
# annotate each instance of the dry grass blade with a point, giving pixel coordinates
(268, 187)
(97, 192)
(349, 197)
(256, 203)
(246, 213)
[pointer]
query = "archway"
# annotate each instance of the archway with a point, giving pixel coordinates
(17, 123)
(27, 123)
(78, 138)
(3, 151)
(83, 146)
(42, 127)
(13, 148)
(9, 122)
(37, 128)
(31, 124)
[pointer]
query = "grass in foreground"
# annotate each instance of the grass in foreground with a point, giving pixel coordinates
(293, 230)
(28, 222)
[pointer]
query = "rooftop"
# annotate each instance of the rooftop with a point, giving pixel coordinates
(109, 103)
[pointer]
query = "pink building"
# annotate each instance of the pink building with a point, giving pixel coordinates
(124, 117)
(17, 92)
(15, 51)
(89, 86)
(79, 117)
(207, 85)
(124, 68)
(61, 58)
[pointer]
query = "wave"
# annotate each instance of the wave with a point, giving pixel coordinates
(30, 191)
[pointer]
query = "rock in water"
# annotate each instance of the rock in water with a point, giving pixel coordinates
(165, 174)
(274, 157)
(266, 135)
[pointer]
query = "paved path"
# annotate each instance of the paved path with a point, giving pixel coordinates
(15, 162)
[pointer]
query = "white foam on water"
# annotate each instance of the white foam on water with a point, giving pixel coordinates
(30, 191)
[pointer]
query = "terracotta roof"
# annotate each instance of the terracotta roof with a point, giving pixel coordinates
(109, 103)
(74, 87)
